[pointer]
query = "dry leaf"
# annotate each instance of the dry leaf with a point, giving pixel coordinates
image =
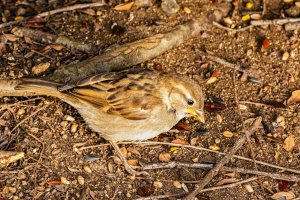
(54, 182)
(295, 98)
(11, 37)
(124, 6)
(133, 162)
(124, 152)
(283, 195)
(89, 11)
(289, 143)
(57, 47)
(227, 181)
(7, 157)
(179, 141)
(165, 157)
(133, 150)
(40, 68)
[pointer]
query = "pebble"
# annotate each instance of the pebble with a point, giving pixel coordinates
(177, 184)
(228, 134)
(184, 187)
(249, 188)
(211, 80)
(195, 160)
(228, 20)
(217, 141)
(219, 118)
(74, 127)
(169, 6)
(64, 124)
(285, 56)
(69, 118)
(214, 147)
(157, 184)
(280, 120)
(255, 16)
(242, 107)
(187, 10)
(80, 180)
(87, 169)
(21, 111)
(12, 189)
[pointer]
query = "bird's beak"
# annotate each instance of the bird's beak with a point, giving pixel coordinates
(197, 114)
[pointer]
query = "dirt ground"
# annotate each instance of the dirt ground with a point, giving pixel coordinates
(51, 137)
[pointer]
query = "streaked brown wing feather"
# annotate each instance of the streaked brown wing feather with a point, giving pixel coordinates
(130, 94)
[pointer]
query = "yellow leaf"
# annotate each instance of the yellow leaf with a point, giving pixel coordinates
(295, 98)
(173, 149)
(246, 18)
(227, 181)
(123, 6)
(40, 68)
(133, 162)
(284, 195)
(289, 143)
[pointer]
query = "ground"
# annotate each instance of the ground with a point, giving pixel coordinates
(51, 148)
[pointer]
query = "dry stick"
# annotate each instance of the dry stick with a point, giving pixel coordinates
(192, 147)
(39, 160)
(274, 21)
(174, 164)
(48, 38)
(292, 26)
(52, 12)
(231, 29)
(204, 190)
(212, 173)
(261, 173)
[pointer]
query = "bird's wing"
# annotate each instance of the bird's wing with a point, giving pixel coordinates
(130, 94)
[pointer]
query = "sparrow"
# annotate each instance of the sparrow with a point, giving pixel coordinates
(130, 105)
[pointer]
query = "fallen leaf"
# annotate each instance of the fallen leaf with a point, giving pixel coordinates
(89, 11)
(11, 37)
(165, 157)
(124, 6)
(295, 98)
(227, 181)
(215, 73)
(289, 143)
(174, 149)
(133, 162)
(133, 150)
(57, 47)
(283, 185)
(283, 195)
(40, 68)
(179, 141)
(214, 106)
(145, 190)
(124, 152)
(265, 43)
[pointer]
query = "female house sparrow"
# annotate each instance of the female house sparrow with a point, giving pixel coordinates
(124, 106)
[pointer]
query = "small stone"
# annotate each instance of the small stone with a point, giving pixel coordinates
(169, 6)
(64, 124)
(214, 147)
(228, 20)
(87, 169)
(184, 187)
(249, 188)
(285, 56)
(157, 184)
(69, 118)
(12, 190)
(177, 184)
(242, 107)
(211, 80)
(74, 127)
(219, 118)
(228, 134)
(80, 180)
(165, 157)
(63, 180)
(21, 111)
(280, 120)
(187, 10)
(217, 141)
(195, 160)
(255, 16)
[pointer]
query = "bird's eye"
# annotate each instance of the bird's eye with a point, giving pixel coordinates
(190, 102)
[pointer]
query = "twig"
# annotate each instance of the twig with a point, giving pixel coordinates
(26, 118)
(274, 21)
(261, 173)
(224, 168)
(231, 29)
(38, 161)
(204, 190)
(224, 62)
(174, 164)
(193, 147)
(52, 12)
(212, 173)
(292, 26)
(263, 104)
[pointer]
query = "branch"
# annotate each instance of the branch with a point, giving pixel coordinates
(210, 175)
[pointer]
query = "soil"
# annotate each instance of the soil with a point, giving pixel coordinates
(51, 148)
